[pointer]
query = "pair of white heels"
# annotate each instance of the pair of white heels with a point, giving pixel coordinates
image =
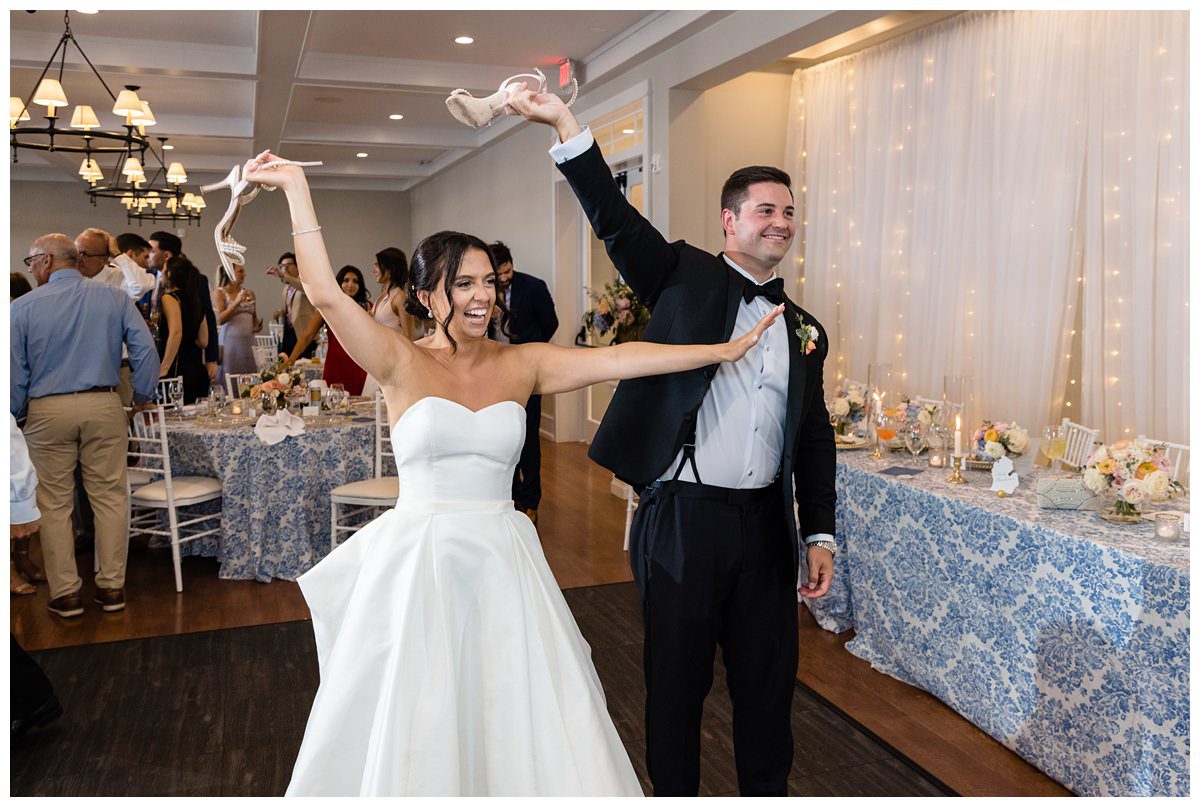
(480, 112)
(241, 190)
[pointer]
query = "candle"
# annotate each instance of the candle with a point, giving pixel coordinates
(1166, 526)
(958, 452)
(236, 406)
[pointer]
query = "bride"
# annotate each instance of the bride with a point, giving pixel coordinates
(450, 664)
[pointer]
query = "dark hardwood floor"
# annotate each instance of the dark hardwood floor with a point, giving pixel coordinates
(581, 525)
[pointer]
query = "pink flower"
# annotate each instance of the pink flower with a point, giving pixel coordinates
(811, 347)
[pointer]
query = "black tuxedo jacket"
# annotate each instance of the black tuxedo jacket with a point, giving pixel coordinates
(694, 298)
(531, 312)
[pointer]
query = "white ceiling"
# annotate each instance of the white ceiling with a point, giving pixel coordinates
(320, 85)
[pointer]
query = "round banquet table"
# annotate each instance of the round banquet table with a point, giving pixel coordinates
(275, 498)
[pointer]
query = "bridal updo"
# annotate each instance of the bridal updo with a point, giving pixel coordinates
(436, 262)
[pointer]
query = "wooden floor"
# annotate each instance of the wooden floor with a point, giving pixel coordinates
(581, 525)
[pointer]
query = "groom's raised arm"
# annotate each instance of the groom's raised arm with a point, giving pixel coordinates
(640, 253)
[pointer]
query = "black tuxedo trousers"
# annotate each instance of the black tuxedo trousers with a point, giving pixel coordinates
(714, 566)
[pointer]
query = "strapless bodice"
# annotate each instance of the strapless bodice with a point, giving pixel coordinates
(446, 452)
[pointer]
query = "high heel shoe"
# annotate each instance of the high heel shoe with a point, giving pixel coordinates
(25, 565)
(480, 112)
(18, 586)
(241, 191)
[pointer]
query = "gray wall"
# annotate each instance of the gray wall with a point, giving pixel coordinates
(356, 225)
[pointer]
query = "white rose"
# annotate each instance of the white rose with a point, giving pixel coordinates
(994, 450)
(856, 396)
(924, 417)
(1134, 491)
(841, 407)
(1018, 441)
(1158, 484)
(1095, 481)
(1099, 453)
(285, 379)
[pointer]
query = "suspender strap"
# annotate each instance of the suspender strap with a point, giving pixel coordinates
(689, 455)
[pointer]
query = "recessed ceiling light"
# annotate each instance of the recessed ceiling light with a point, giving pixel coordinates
(395, 117)
(361, 154)
(167, 147)
(87, 11)
(463, 40)
(628, 131)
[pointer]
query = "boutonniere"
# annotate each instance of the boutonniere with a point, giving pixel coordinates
(808, 337)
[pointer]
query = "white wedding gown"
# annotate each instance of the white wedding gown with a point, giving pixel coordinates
(450, 664)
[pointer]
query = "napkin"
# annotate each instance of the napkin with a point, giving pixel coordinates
(897, 470)
(272, 429)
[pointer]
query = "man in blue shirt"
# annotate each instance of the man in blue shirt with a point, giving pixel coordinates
(65, 366)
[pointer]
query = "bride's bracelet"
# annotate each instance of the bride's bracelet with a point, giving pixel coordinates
(310, 230)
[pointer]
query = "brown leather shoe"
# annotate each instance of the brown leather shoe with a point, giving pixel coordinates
(66, 606)
(111, 599)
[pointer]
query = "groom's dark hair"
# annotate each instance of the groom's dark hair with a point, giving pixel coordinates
(734, 192)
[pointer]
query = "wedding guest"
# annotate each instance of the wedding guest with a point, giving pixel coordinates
(163, 247)
(301, 322)
(18, 284)
(237, 322)
(391, 272)
(65, 356)
(32, 702)
(339, 367)
(530, 318)
(182, 332)
(101, 258)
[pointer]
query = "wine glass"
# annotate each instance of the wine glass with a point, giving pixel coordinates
(337, 397)
(217, 396)
(885, 430)
(175, 394)
(1054, 444)
(914, 438)
(270, 404)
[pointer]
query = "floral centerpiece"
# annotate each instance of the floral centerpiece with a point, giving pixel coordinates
(847, 407)
(994, 439)
(616, 309)
(279, 383)
(1135, 470)
(925, 414)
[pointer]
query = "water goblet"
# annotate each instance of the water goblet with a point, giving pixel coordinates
(1054, 444)
(914, 438)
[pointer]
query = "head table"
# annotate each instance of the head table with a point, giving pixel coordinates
(1063, 636)
(275, 498)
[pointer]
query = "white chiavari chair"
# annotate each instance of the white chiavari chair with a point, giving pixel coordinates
(236, 382)
(1079, 443)
(367, 495)
(174, 494)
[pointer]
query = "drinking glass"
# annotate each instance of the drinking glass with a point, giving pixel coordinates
(217, 399)
(270, 404)
(175, 394)
(337, 397)
(914, 438)
(1054, 444)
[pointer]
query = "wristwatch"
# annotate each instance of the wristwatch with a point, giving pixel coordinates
(830, 545)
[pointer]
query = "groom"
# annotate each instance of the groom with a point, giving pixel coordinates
(714, 454)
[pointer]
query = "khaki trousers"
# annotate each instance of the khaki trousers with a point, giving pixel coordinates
(86, 429)
(125, 386)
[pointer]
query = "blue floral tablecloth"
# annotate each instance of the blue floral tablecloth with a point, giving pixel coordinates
(275, 514)
(1061, 635)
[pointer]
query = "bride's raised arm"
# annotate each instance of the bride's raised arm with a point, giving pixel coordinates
(562, 369)
(379, 350)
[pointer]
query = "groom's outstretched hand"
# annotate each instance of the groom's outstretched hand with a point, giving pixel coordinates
(820, 573)
(543, 107)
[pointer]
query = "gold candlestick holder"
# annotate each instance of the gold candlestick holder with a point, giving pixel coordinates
(878, 455)
(957, 478)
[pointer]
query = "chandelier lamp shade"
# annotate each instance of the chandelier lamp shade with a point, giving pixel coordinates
(83, 135)
(157, 197)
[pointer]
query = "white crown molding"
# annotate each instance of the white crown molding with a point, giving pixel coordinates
(333, 133)
(110, 55)
(331, 69)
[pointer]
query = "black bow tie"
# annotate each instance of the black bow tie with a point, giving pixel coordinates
(772, 290)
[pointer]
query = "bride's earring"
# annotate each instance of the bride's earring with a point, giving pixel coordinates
(480, 112)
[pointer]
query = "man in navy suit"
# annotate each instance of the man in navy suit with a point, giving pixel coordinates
(530, 318)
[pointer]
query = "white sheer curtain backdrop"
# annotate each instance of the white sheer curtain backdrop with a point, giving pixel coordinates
(948, 181)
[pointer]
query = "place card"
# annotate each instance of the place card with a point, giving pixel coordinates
(310, 411)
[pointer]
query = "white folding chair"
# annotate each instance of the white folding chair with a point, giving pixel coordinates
(1178, 454)
(366, 495)
(264, 357)
(275, 331)
(1079, 442)
(236, 382)
(266, 340)
(148, 444)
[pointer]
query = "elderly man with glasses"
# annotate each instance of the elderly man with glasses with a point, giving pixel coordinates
(66, 338)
